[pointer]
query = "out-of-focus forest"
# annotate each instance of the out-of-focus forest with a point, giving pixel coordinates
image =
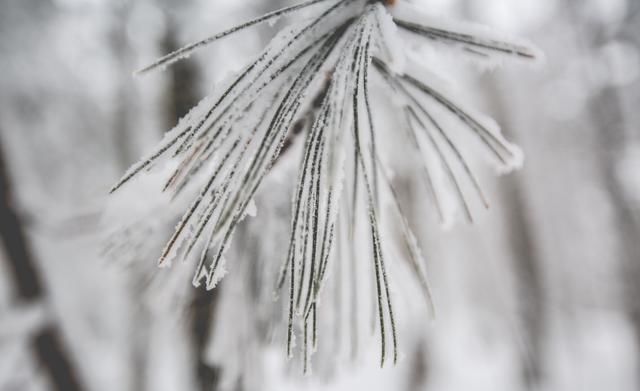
(541, 292)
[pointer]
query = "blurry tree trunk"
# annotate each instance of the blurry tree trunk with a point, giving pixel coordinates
(614, 135)
(183, 91)
(411, 194)
(203, 307)
(419, 371)
(530, 285)
(47, 344)
(606, 113)
(126, 154)
(125, 101)
(523, 252)
(182, 95)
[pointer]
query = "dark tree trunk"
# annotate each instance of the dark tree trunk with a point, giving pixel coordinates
(183, 94)
(47, 344)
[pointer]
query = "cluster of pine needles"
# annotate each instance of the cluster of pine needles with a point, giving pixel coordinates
(313, 83)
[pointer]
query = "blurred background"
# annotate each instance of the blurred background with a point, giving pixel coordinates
(540, 293)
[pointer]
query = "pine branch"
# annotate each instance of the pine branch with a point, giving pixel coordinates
(314, 79)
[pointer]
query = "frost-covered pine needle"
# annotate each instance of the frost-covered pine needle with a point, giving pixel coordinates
(314, 81)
